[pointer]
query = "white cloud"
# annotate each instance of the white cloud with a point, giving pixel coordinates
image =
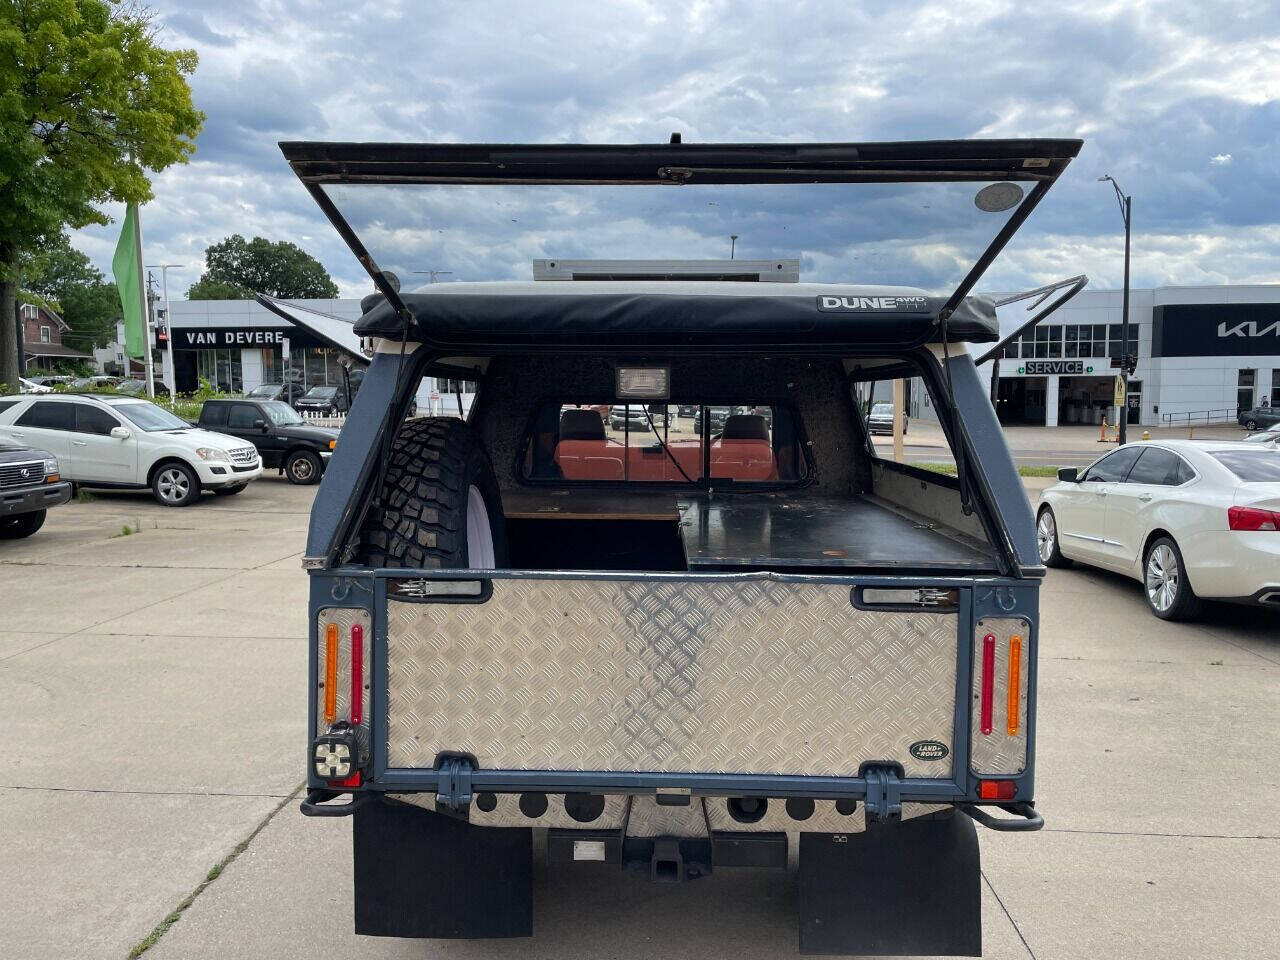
(1154, 87)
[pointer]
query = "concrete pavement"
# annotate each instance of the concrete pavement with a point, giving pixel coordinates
(155, 694)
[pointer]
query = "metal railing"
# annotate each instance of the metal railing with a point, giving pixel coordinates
(1224, 415)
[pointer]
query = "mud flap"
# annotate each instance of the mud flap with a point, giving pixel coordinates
(420, 874)
(911, 887)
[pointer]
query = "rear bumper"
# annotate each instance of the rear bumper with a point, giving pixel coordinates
(14, 502)
(1234, 564)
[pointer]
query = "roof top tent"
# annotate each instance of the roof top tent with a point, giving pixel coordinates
(632, 597)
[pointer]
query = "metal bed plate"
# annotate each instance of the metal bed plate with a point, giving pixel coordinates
(648, 675)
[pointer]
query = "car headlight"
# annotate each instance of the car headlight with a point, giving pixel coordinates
(50, 466)
(210, 453)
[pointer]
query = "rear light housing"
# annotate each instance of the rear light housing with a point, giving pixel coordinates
(341, 740)
(999, 708)
(1252, 518)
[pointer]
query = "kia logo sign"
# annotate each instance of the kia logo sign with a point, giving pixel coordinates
(1250, 328)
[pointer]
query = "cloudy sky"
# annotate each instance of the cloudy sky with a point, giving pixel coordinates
(1178, 100)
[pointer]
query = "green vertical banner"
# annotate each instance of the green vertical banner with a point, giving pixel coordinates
(127, 267)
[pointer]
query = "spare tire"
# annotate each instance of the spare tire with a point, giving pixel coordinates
(439, 506)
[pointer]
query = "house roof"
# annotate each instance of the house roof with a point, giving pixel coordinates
(53, 350)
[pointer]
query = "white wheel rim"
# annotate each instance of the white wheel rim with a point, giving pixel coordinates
(1045, 535)
(1162, 578)
(173, 485)
(479, 536)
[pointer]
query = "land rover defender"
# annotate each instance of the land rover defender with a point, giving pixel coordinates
(734, 634)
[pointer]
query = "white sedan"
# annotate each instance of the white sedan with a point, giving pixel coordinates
(1190, 519)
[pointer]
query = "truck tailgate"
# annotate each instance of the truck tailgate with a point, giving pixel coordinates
(652, 674)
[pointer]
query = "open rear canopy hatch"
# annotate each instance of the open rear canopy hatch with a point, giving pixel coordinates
(920, 216)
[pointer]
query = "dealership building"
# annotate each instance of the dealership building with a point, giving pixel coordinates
(1204, 353)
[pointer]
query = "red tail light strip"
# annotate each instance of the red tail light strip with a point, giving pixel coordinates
(357, 674)
(988, 681)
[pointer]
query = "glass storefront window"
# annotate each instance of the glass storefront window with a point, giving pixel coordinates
(221, 368)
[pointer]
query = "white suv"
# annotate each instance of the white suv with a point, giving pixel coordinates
(121, 442)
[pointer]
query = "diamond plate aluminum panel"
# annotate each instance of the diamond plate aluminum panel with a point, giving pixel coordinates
(669, 676)
(345, 618)
(998, 752)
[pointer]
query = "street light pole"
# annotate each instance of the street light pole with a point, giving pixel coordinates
(168, 323)
(1126, 211)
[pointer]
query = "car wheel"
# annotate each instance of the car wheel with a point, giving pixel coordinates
(1251, 425)
(175, 485)
(1169, 593)
(1047, 540)
(302, 467)
(440, 504)
(229, 491)
(23, 525)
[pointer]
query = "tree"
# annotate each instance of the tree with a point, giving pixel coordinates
(276, 268)
(65, 278)
(206, 289)
(89, 103)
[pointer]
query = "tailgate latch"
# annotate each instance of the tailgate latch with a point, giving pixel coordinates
(453, 789)
(884, 792)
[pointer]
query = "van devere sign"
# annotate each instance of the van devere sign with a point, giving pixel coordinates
(1216, 330)
(230, 338)
(211, 338)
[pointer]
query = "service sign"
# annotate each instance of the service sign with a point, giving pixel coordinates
(1041, 368)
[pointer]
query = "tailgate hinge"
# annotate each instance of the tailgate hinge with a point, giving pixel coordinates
(453, 789)
(884, 792)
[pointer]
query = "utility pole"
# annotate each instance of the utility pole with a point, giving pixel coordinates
(1126, 211)
(148, 372)
(432, 274)
(168, 324)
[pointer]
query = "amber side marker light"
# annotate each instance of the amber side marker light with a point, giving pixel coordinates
(330, 673)
(1015, 684)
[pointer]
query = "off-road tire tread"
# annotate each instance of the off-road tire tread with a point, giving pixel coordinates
(419, 520)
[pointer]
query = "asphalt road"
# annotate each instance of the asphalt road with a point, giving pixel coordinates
(154, 701)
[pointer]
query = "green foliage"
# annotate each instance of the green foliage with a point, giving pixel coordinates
(65, 280)
(237, 268)
(207, 289)
(89, 103)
